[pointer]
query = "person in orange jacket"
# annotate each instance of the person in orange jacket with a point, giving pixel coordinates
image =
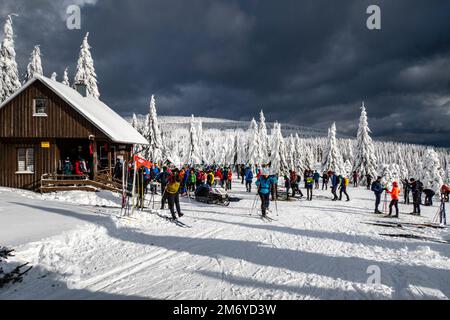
(394, 198)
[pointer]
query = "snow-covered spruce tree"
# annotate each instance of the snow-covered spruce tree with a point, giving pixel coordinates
(9, 74)
(85, 70)
(34, 67)
(54, 75)
(278, 164)
(194, 151)
(155, 142)
(263, 137)
(432, 172)
(253, 157)
(390, 173)
(66, 78)
(365, 161)
(332, 157)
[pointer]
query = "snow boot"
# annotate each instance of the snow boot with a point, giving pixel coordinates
(180, 214)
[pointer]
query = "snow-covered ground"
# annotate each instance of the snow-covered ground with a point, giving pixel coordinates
(314, 250)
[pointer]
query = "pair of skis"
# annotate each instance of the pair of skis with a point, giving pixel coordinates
(174, 221)
(267, 218)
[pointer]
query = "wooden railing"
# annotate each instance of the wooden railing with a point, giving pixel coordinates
(61, 182)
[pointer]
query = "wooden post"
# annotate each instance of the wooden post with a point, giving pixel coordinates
(94, 160)
(109, 161)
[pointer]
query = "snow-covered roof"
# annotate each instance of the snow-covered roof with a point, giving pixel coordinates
(98, 113)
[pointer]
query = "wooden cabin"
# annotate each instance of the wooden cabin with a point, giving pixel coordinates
(46, 123)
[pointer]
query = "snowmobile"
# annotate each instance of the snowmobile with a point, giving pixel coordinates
(212, 195)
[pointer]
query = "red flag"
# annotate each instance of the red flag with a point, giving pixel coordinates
(141, 162)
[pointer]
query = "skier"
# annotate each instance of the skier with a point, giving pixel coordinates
(369, 181)
(416, 189)
(243, 170)
(230, 178)
(173, 195)
(355, 178)
(334, 186)
(309, 185)
(274, 187)
(429, 194)
(263, 183)
(406, 190)
(343, 187)
(210, 178)
(316, 177)
(163, 179)
(394, 198)
(192, 182)
(287, 185)
(377, 189)
(297, 186)
(325, 179)
(293, 181)
(248, 179)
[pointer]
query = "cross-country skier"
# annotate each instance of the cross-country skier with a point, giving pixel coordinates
(309, 186)
(325, 179)
(406, 190)
(163, 179)
(377, 189)
(369, 181)
(243, 170)
(173, 195)
(263, 183)
(334, 185)
(287, 185)
(429, 194)
(248, 179)
(416, 189)
(355, 178)
(316, 177)
(394, 198)
(274, 187)
(343, 187)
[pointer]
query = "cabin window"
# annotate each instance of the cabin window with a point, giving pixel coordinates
(25, 160)
(40, 107)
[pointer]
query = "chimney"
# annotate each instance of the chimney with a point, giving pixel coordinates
(81, 88)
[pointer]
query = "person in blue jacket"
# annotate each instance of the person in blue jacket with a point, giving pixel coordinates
(378, 189)
(248, 179)
(334, 185)
(264, 183)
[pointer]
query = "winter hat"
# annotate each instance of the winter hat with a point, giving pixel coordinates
(395, 184)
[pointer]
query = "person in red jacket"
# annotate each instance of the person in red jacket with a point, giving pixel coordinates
(394, 198)
(230, 178)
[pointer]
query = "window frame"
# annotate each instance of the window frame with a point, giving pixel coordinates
(27, 160)
(40, 114)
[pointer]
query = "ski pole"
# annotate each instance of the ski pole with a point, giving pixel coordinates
(254, 204)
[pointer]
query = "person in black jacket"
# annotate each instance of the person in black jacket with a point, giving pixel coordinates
(163, 179)
(377, 189)
(406, 190)
(325, 179)
(416, 189)
(429, 194)
(287, 185)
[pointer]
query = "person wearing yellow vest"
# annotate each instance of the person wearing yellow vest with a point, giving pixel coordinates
(173, 195)
(343, 187)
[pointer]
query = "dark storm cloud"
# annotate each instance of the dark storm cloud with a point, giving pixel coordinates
(304, 62)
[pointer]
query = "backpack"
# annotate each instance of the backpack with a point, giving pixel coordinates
(346, 181)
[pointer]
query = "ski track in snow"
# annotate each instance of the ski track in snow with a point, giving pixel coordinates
(314, 250)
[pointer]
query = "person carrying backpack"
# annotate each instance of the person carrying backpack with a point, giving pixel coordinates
(316, 177)
(343, 187)
(68, 167)
(334, 186)
(406, 190)
(248, 179)
(263, 183)
(173, 196)
(416, 189)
